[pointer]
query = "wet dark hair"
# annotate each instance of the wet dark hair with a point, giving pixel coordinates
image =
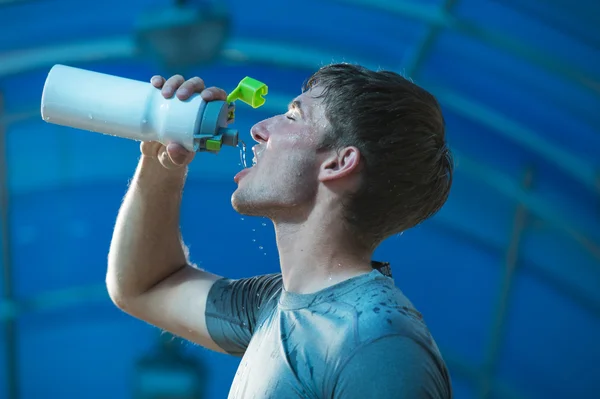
(399, 130)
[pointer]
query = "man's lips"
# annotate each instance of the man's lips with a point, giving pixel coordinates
(241, 174)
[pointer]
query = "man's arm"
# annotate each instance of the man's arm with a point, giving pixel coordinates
(392, 367)
(148, 272)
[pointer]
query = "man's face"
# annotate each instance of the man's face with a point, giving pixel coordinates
(285, 175)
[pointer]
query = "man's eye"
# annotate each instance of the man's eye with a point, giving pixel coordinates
(289, 117)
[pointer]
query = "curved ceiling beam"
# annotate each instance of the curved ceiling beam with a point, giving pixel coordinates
(434, 15)
(569, 20)
(240, 50)
(587, 174)
(10, 2)
(413, 61)
(19, 61)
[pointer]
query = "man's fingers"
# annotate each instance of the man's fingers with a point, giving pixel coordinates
(189, 87)
(171, 85)
(172, 156)
(179, 155)
(214, 93)
(157, 81)
(184, 89)
(150, 148)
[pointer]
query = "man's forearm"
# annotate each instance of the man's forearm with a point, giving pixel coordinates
(146, 245)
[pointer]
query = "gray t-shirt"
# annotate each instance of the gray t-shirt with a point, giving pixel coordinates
(361, 338)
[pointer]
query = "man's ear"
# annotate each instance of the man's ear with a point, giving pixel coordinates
(339, 164)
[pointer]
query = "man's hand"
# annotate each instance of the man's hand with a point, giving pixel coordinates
(174, 156)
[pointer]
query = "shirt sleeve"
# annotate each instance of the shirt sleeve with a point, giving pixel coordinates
(392, 367)
(233, 308)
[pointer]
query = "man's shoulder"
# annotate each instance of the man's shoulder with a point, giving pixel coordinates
(388, 337)
(382, 309)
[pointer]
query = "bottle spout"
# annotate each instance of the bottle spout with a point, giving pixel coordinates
(229, 136)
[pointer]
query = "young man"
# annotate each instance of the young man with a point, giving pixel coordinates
(360, 155)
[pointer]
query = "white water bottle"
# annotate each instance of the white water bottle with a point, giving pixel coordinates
(137, 110)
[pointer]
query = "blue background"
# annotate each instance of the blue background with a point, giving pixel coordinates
(507, 274)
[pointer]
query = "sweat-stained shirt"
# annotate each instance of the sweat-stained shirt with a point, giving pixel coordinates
(359, 339)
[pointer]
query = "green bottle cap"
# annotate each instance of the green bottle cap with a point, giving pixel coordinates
(249, 91)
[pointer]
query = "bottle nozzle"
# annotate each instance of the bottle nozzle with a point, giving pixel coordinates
(229, 136)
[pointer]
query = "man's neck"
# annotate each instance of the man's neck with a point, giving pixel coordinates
(316, 255)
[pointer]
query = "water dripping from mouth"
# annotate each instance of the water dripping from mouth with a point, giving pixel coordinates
(243, 153)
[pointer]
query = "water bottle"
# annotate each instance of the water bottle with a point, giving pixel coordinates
(137, 110)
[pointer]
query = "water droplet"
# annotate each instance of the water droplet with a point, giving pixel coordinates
(144, 121)
(254, 240)
(90, 116)
(265, 253)
(47, 119)
(264, 224)
(241, 218)
(253, 229)
(243, 153)
(260, 247)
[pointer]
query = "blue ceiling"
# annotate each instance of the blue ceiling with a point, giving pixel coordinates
(519, 82)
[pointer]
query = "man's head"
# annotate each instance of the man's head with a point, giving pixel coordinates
(370, 144)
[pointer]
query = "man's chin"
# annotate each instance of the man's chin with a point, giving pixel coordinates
(246, 206)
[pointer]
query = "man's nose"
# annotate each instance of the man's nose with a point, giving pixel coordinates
(259, 132)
